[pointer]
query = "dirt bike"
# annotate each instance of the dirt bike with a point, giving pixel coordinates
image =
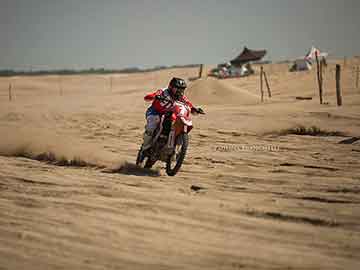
(171, 139)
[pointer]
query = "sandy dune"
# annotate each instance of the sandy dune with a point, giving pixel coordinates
(251, 194)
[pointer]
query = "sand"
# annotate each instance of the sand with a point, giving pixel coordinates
(250, 195)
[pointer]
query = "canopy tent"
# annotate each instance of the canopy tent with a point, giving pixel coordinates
(311, 55)
(305, 62)
(248, 55)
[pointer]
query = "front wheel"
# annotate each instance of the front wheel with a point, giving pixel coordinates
(175, 161)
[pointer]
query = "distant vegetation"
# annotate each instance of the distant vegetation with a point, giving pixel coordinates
(10, 72)
(311, 131)
(263, 62)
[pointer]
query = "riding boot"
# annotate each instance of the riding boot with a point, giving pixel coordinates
(171, 139)
(147, 141)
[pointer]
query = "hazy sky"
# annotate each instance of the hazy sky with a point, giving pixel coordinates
(42, 34)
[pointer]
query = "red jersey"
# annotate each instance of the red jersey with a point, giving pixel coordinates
(167, 104)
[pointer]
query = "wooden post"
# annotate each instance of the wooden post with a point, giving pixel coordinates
(111, 82)
(357, 77)
(10, 94)
(201, 70)
(261, 83)
(321, 71)
(319, 78)
(338, 89)
(267, 84)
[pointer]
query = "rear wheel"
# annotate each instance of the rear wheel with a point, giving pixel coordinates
(143, 160)
(175, 161)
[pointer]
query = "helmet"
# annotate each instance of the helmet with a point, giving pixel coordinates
(177, 87)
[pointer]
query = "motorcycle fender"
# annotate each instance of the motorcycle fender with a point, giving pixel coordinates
(180, 127)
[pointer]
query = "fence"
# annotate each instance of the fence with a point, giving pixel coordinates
(328, 79)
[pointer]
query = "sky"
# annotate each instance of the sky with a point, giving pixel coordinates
(77, 34)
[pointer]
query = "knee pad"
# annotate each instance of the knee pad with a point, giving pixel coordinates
(152, 122)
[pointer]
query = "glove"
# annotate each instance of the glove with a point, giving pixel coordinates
(200, 111)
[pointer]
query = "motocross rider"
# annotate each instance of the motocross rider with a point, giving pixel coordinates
(162, 102)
